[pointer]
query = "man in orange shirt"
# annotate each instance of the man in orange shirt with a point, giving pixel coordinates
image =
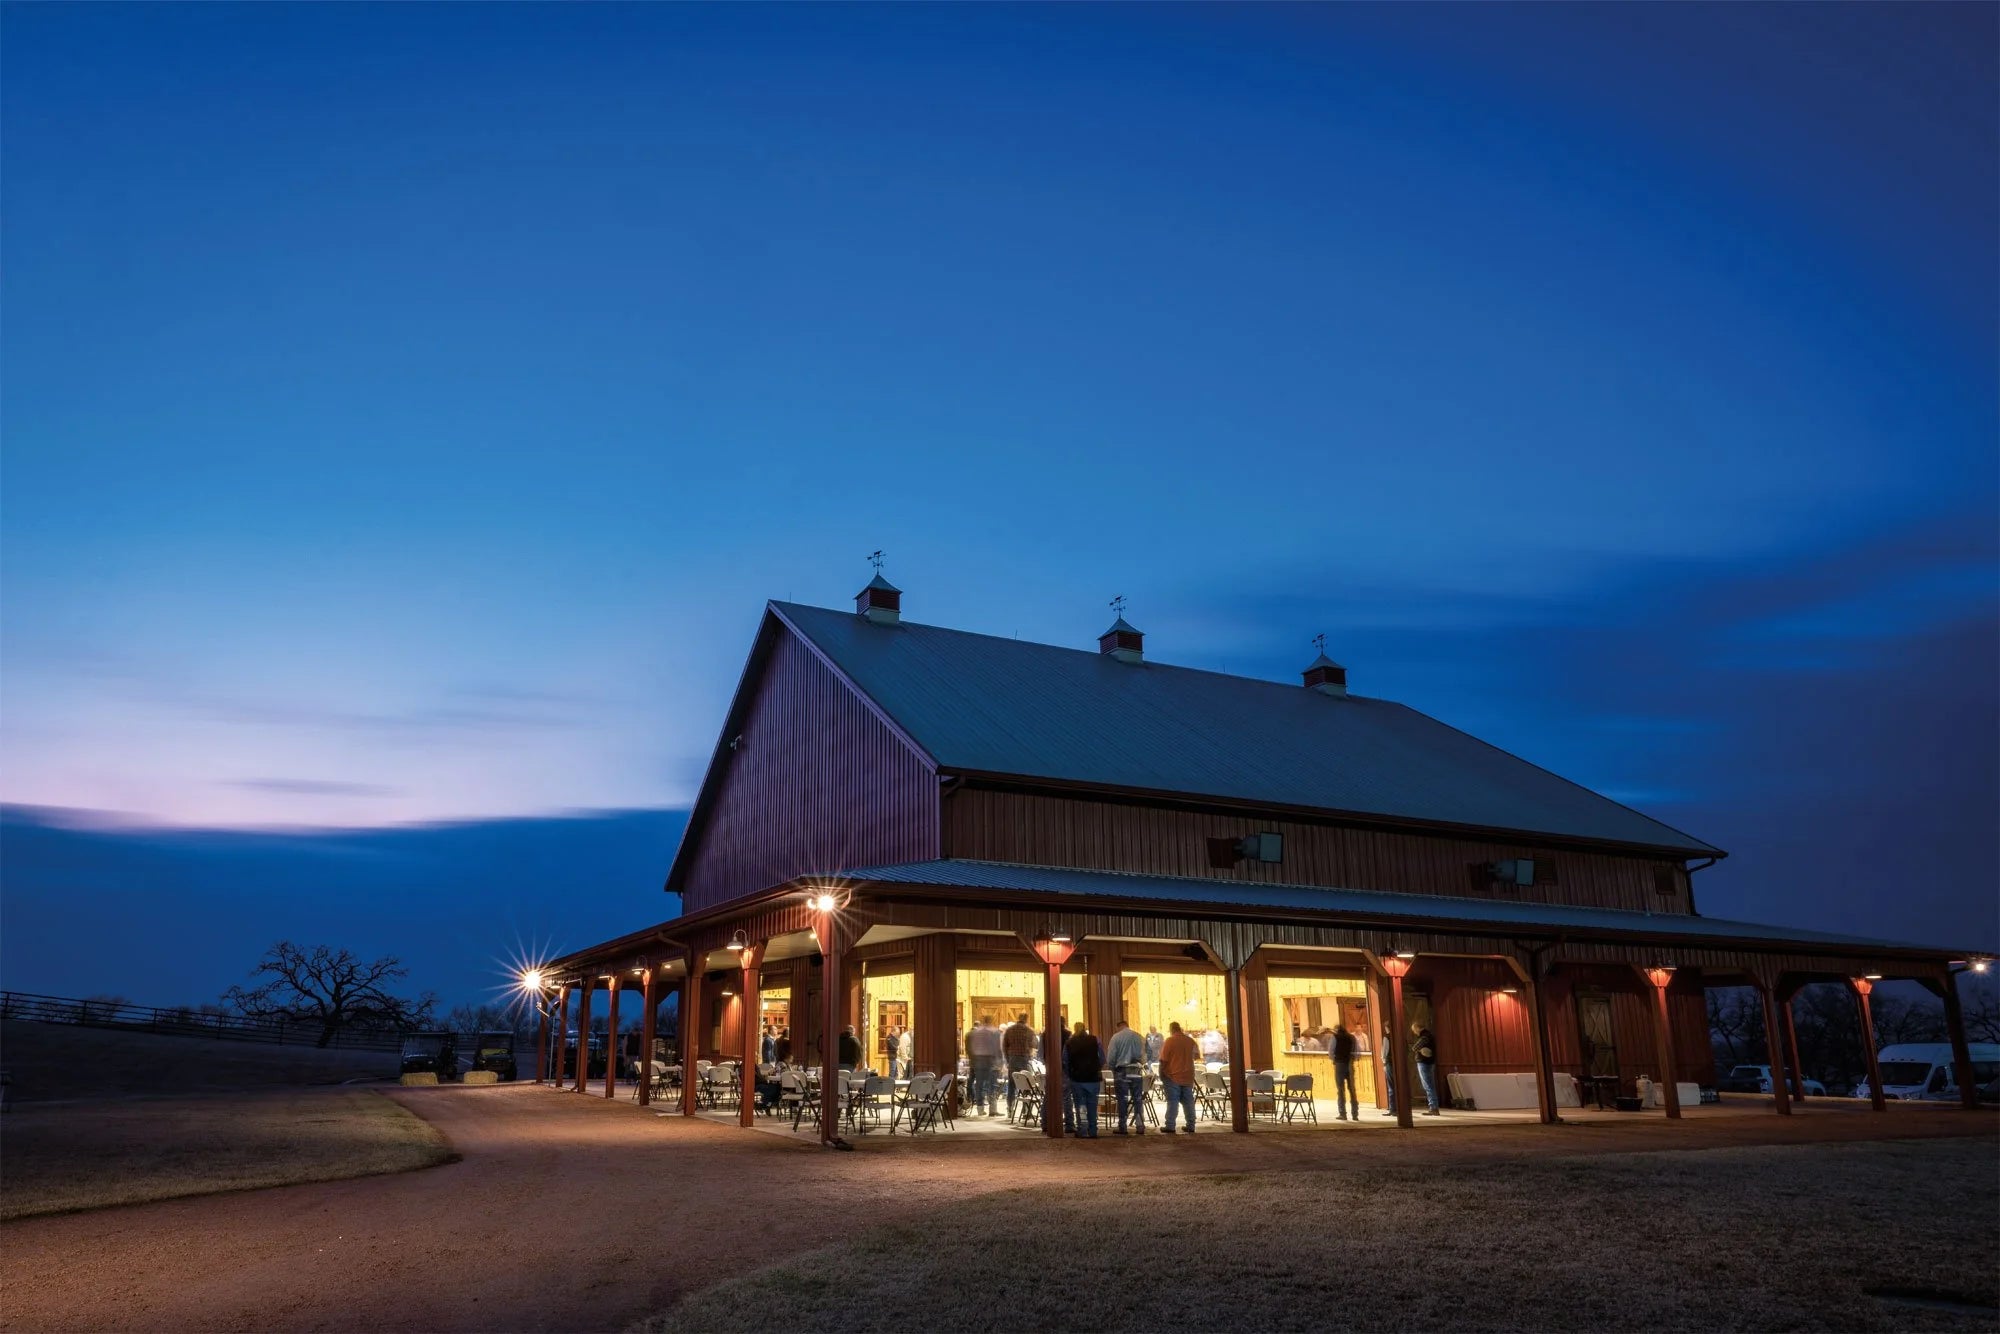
(1177, 1057)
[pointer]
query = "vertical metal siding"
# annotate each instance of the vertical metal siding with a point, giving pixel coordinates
(1043, 830)
(1479, 1028)
(818, 783)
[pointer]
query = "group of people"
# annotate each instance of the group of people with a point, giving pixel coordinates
(994, 1054)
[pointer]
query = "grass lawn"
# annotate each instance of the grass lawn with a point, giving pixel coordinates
(1787, 1238)
(86, 1155)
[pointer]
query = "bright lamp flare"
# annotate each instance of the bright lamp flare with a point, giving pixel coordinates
(531, 980)
(820, 903)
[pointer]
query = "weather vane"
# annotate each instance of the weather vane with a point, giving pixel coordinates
(1118, 606)
(875, 558)
(1319, 642)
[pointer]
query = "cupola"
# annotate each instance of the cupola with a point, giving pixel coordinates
(881, 601)
(1123, 640)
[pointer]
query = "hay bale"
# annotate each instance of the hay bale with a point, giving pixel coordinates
(482, 1076)
(425, 1079)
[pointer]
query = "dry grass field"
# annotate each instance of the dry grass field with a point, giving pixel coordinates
(65, 1157)
(1757, 1238)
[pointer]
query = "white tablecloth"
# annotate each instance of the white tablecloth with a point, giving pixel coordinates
(1499, 1093)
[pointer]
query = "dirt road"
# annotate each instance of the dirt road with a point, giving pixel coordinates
(574, 1213)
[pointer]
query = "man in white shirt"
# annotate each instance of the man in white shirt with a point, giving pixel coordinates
(982, 1050)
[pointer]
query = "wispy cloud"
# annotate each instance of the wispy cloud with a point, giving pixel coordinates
(314, 787)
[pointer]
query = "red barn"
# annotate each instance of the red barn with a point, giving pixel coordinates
(906, 827)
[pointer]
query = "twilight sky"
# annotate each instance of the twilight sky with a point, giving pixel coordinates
(408, 409)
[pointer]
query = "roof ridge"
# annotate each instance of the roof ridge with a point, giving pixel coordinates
(907, 624)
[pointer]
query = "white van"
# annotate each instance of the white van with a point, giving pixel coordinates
(1922, 1071)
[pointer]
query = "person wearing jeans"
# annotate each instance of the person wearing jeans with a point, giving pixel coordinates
(1341, 1045)
(1424, 1048)
(1083, 1080)
(1126, 1055)
(982, 1050)
(1177, 1057)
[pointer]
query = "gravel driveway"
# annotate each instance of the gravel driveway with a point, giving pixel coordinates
(575, 1213)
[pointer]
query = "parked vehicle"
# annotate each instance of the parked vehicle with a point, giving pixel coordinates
(495, 1052)
(431, 1053)
(1757, 1079)
(1923, 1071)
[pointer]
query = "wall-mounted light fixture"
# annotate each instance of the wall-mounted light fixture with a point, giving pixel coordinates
(1397, 963)
(738, 942)
(1660, 975)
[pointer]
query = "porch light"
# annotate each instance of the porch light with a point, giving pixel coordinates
(1865, 983)
(1979, 965)
(531, 979)
(1053, 947)
(1660, 975)
(739, 942)
(821, 902)
(1871, 977)
(1396, 963)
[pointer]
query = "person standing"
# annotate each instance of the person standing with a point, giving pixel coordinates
(1083, 1079)
(1153, 1044)
(1424, 1047)
(890, 1051)
(1389, 1076)
(906, 1050)
(848, 1053)
(769, 1050)
(1341, 1044)
(781, 1048)
(982, 1051)
(1017, 1046)
(1126, 1055)
(1214, 1047)
(1177, 1058)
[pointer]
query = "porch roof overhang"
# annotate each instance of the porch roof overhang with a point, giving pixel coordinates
(1067, 889)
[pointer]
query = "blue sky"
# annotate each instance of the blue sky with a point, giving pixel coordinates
(409, 408)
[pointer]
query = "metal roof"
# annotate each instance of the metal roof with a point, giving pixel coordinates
(1364, 903)
(988, 705)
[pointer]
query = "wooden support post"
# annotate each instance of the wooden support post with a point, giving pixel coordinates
(1052, 1058)
(690, 1035)
(1861, 987)
(611, 1041)
(832, 993)
(753, 1034)
(1239, 1051)
(584, 988)
(1793, 1066)
(542, 1037)
(1663, 1038)
(562, 1034)
(1403, 1069)
(1545, 1071)
(649, 1023)
(1961, 1054)
(1773, 1048)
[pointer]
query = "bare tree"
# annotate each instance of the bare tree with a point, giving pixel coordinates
(1982, 1009)
(485, 1019)
(1735, 1024)
(331, 988)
